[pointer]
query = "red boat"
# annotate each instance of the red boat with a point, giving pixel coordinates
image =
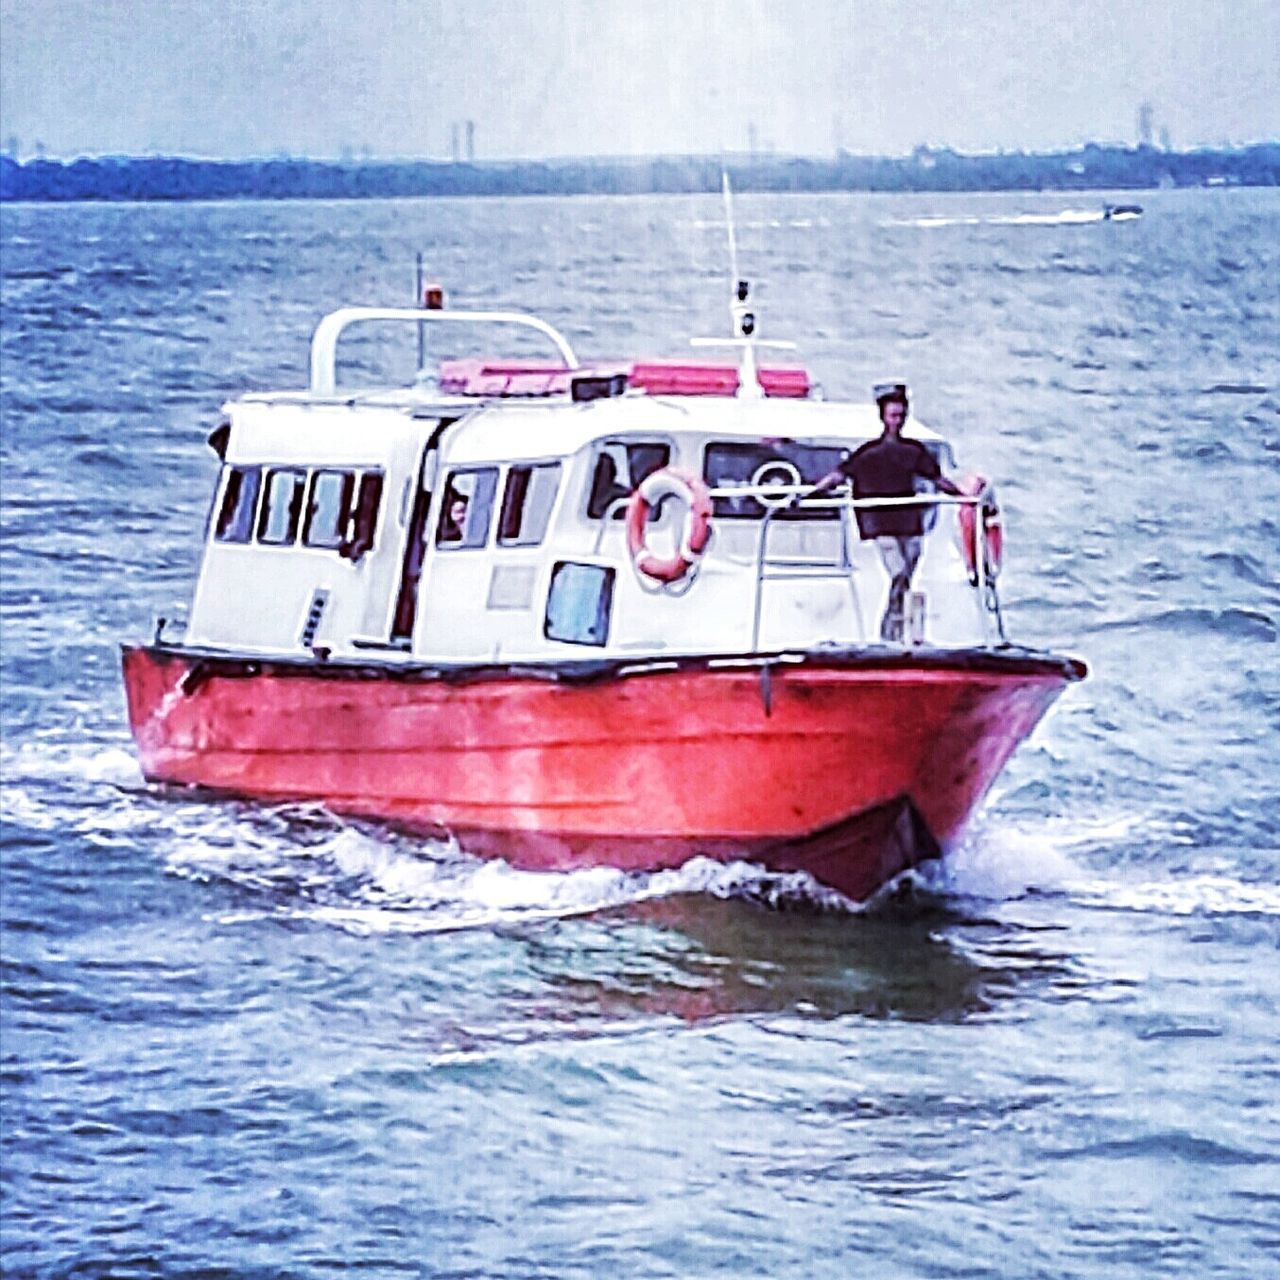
(572, 615)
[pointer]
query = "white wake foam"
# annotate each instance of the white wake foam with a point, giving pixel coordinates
(1194, 895)
(1063, 218)
(1001, 860)
(368, 882)
(301, 861)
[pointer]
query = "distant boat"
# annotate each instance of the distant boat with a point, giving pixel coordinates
(1121, 212)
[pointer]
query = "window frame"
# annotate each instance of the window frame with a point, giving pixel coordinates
(626, 443)
(743, 509)
(364, 514)
(360, 517)
(223, 519)
(296, 503)
(487, 484)
(339, 537)
(604, 603)
(527, 470)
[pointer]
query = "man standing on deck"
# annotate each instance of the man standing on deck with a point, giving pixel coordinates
(887, 467)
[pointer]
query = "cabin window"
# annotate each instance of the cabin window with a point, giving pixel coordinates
(282, 507)
(340, 511)
(526, 504)
(620, 467)
(328, 508)
(363, 523)
(466, 508)
(239, 501)
(579, 603)
(760, 464)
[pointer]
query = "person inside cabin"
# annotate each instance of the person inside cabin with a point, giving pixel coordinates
(454, 522)
(889, 467)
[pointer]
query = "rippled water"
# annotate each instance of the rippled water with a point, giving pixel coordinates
(240, 1041)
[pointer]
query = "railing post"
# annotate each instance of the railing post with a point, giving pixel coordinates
(980, 565)
(759, 605)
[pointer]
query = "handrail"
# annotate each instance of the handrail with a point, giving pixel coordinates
(324, 342)
(984, 588)
(844, 505)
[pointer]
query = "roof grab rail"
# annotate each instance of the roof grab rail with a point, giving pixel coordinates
(324, 342)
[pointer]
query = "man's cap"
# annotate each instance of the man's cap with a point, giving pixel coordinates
(889, 391)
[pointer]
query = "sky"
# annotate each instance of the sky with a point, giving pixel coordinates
(546, 78)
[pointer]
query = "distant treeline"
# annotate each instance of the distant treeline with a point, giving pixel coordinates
(927, 169)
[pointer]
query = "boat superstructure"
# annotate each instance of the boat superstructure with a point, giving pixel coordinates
(570, 613)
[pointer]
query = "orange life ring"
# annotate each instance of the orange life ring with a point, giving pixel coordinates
(669, 482)
(993, 529)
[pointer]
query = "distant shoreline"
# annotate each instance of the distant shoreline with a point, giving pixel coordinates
(1091, 168)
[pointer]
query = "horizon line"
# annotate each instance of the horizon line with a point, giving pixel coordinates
(729, 155)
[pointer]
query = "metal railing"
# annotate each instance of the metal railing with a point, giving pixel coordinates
(793, 568)
(847, 505)
(775, 499)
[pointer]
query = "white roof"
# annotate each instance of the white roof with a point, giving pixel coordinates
(291, 431)
(303, 426)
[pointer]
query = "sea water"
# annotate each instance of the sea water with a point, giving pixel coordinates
(238, 1040)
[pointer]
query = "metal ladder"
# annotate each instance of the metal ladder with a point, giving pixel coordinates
(791, 569)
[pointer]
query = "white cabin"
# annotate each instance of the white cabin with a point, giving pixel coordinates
(333, 529)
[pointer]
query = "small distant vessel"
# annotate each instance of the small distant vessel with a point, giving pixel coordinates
(1121, 212)
(567, 613)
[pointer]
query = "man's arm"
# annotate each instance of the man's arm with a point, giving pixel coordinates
(931, 470)
(825, 485)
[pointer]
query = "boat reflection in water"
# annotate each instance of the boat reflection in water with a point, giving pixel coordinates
(701, 959)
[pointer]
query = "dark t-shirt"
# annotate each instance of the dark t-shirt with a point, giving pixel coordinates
(885, 468)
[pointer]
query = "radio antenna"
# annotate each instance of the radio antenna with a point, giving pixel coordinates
(743, 319)
(741, 322)
(728, 221)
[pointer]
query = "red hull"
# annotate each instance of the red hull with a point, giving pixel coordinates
(852, 768)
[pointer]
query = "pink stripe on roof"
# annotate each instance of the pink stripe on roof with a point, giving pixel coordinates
(475, 377)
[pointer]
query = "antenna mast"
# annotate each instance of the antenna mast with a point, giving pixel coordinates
(741, 320)
(728, 221)
(741, 317)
